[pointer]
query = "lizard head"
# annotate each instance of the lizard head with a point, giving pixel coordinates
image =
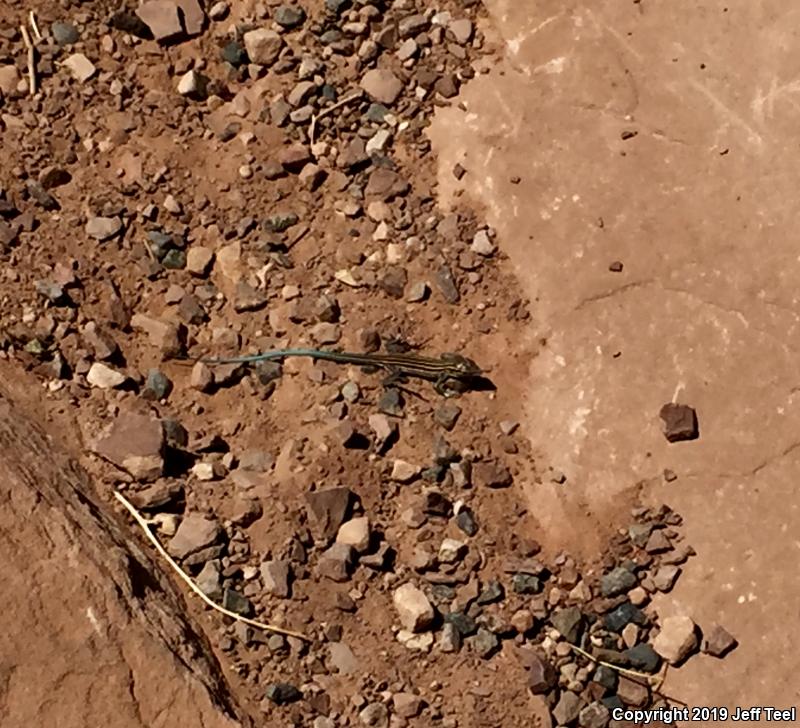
(463, 364)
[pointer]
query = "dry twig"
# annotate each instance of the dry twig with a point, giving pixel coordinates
(328, 110)
(32, 20)
(161, 550)
(656, 681)
(31, 60)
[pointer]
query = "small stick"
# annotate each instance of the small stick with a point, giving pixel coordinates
(328, 110)
(31, 60)
(239, 618)
(652, 679)
(32, 19)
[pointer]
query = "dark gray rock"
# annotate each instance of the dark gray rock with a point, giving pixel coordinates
(283, 693)
(492, 592)
(235, 602)
(617, 581)
(157, 386)
(465, 624)
(64, 33)
(569, 622)
(290, 16)
(624, 614)
(526, 584)
(643, 657)
(465, 520)
(484, 643)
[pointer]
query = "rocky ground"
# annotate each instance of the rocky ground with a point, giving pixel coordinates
(180, 181)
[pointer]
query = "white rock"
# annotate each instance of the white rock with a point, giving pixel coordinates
(676, 640)
(189, 83)
(403, 472)
(451, 550)
(461, 30)
(81, 68)
(413, 608)
(198, 260)
(355, 533)
(104, 377)
(482, 244)
(263, 46)
(103, 228)
(378, 142)
(421, 642)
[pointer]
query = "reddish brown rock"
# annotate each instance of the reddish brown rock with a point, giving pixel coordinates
(542, 676)
(134, 443)
(718, 642)
(679, 422)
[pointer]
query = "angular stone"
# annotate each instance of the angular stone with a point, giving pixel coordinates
(294, 158)
(617, 619)
(385, 184)
(484, 643)
(276, 576)
(542, 676)
(166, 336)
(491, 475)
(569, 622)
(210, 580)
(375, 715)
(568, 708)
(617, 581)
(328, 509)
(407, 705)
(664, 579)
(676, 640)
(718, 642)
(134, 443)
(451, 551)
(412, 25)
(193, 16)
(194, 533)
(157, 496)
(199, 260)
(81, 68)
(413, 608)
(263, 46)
(191, 83)
(9, 79)
(157, 386)
(52, 176)
(382, 85)
(104, 377)
(337, 562)
(632, 692)
(245, 510)
(403, 472)
(643, 657)
(594, 715)
(461, 30)
(162, 17)
(679, 422)
(103, 228)
(658, 543)
(355, 533)
(450, 639)
(283, 693)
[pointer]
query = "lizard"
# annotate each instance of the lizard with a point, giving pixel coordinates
(449, 369)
